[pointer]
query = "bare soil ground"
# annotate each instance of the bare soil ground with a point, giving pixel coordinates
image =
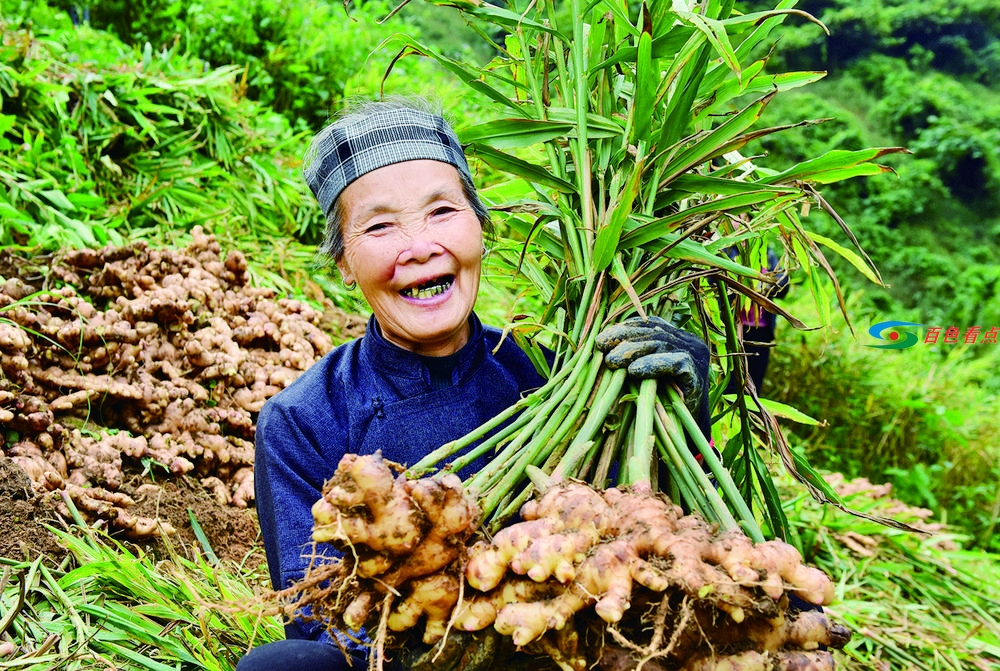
(232, 533)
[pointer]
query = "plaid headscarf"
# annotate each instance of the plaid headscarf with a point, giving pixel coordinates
(361, 143)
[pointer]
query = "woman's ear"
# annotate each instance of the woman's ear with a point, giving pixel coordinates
(345, 274)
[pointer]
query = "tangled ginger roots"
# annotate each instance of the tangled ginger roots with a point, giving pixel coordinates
(395, 531)
(145, 357)
(614, 578)
(641, 545)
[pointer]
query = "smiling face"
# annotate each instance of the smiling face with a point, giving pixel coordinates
(413, 244)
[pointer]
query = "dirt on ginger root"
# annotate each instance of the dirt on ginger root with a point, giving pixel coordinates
(125, 362)
(609, 579)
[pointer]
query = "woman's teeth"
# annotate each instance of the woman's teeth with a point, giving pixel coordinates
(427, 290)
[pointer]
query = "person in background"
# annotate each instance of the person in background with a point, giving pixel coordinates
(405, 225)
(757, 329)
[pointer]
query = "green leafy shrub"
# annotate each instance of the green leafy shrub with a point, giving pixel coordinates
(958, 36)
(111, 138)
(296, 58)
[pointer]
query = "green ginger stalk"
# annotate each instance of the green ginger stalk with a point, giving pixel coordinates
(623, 130)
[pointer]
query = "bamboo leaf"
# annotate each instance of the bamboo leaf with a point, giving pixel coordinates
(688, 81)
(756, 83)
(785, 81)
(695, 183)
(715, 142)
(470, 77)
(508, 19)
(618, 272)
(651, 230)
(735, 86)
(597, 126)
(609, 235)
(782, 410)
(199, 533)
(717, 36)
(694, 252)
(863, 170)
(514, 133)
(668, 45)
(777, 519)
(761, 18)
(646, 80)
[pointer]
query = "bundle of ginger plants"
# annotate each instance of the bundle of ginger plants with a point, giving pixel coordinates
(623, 127)
(624, 133)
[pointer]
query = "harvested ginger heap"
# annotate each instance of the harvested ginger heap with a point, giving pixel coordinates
(155, 357)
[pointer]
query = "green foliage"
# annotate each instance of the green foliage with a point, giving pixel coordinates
(925, 603)
(296, 58)
(128, 610)
(923, 418)
(958, 36)
(939, 119)
(114, 141)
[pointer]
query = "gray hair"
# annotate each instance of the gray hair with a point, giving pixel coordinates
(372, 134)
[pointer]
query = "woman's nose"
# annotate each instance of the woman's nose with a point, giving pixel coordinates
(420, 247)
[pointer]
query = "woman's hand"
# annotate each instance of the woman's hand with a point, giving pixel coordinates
(652, 348)
(462, 651)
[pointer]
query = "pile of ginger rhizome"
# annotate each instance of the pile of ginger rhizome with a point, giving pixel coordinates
(616, 579)
(132, 359)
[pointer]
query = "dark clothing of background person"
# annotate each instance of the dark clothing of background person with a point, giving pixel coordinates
(758, 330)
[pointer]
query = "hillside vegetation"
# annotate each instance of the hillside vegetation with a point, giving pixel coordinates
(921, 75)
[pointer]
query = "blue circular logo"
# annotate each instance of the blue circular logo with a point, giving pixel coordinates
(898, 339)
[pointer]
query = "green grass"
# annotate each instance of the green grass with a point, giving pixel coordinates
(110, 606)
(924, 418)
(912, 601)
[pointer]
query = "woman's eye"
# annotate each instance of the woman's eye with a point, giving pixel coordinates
(443, 210)
(376, 227)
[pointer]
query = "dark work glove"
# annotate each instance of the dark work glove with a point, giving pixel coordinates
(653, 348)
(462, 652)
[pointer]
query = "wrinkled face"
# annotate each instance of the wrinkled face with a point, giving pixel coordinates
(414, 246)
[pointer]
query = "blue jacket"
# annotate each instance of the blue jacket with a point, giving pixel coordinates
(369, 395)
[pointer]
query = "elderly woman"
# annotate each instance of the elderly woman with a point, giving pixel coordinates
(405, 225)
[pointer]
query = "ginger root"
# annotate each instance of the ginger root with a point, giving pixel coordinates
(584, 572)
(396, 535)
